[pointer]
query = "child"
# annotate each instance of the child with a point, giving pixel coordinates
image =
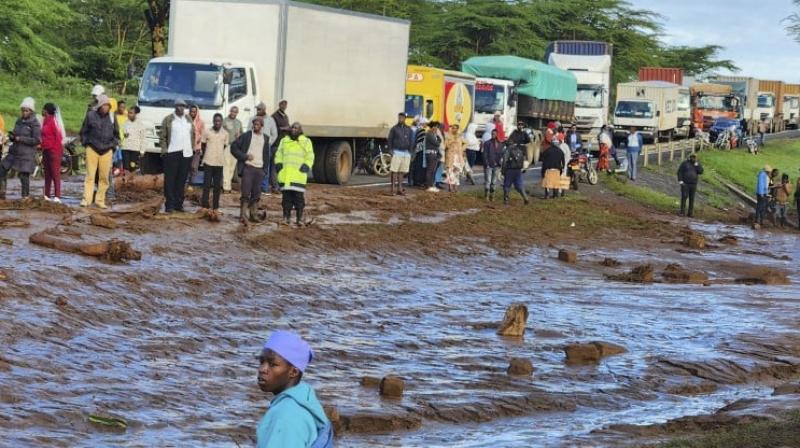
(782, 192)
(133, 145)
(295, 417)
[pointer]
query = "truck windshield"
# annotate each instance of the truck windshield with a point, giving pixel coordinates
(716, 103)
(793, 103)
(683, 101)
(589, 95)
(766, 101)
(165, 82)
(414, 104)
(634, 109)
(489, 98)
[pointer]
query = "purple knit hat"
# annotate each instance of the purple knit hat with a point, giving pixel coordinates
(291, 347)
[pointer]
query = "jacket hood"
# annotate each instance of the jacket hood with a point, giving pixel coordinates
(304, 395)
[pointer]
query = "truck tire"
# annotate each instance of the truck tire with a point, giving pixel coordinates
(318, 170)
(338, 163)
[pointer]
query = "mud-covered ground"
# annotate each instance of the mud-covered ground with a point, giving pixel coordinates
(414, 287)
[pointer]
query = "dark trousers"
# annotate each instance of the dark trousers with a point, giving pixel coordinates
(129, 158)
(761, 208)
(687, 192)
(52, 172)
(250, 184)
(513, 177)
(212, 179)
(24, 180)
(293, 199)
(176, 170)
(431, 161)
(472, 157)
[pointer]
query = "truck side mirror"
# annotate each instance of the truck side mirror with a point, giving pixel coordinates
(428, 109)
(512, 98)
(658, 113)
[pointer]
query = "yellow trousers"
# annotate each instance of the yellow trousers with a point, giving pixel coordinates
(96, 163)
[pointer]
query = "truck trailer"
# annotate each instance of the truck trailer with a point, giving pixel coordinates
(345, 89)
(445, 96)
(590, 62)
(532, 92)
(674, 76)
(650, 106)
(746, 89)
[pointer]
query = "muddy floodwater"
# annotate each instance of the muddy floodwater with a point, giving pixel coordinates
(168, 343)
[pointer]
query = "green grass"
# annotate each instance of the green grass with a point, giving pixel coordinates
(643, 195)
(741, 168)
(71, 94)
(763, 434)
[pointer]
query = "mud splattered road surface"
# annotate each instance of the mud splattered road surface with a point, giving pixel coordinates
(168, 343)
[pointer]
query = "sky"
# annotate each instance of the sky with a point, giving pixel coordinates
(751, 32)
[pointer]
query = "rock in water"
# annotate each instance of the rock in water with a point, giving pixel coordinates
(520, 366)
(639, 274)
(592, 352)
(674, 273)
(567, 256)
(514, 321)
(370, 381)
(392, 386)
(694, 240)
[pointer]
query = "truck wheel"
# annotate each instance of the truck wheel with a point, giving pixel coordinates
(338, 163)
(318, 170)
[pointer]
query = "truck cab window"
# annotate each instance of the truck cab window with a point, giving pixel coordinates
(429, 109)
(413, 105)
(238, 86)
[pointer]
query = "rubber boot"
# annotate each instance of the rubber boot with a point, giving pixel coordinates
(25, 182)
(486, 195)
(3, 189)
(491, 195)
(243, 212)
(253, 209)
(505, 198)
(299, 217)
(524, 197)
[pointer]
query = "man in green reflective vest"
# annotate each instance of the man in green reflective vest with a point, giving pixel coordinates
(293, 161)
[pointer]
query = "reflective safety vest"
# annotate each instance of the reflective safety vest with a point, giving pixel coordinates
(291, 156)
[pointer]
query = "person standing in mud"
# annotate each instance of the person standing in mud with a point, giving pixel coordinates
(52, 150)
(214, 142)
(252, 152)
(552, 165)
(100, 136)
(493, 151)
(401, 142)
(688, 175)
(284, 129)
(25, 137)
(455, 148)
(270, 130)
(197, 143)
(293, 160)
(634, 147)
(295, 418)
(233, 126)
(432, 143)
(177, 150)
(782, 192)
(512, 164)
(762, 194)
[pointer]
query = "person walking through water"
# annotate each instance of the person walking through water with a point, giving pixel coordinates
(52, 150)
(688, 175)
(454, 158)
(100, 136)
(293, 160)
(25, 137)
(295, 418)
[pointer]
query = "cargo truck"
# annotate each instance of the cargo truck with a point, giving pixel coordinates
(534, 93)
(770, 103)
(650, 106)
(711, 101)
(590, 62)
(674, 76)
(445, 96)
(746, 89)
(791, 105)
(342, 73)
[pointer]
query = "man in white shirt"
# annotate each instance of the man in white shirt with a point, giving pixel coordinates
(177, 151)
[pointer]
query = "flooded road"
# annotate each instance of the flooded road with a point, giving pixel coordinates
(169, 343)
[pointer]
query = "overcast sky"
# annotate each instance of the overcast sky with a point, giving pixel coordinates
(751, 32)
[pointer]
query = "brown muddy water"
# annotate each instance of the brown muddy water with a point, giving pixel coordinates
(168, 343)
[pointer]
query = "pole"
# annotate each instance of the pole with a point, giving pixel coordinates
(645, 155)
(671, 150)
(658, 152)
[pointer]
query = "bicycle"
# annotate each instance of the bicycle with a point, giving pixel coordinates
(375, 160)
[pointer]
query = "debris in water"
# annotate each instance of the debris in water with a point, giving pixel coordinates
(370, 382)
(591, 352)
(610, 262)
(729, 240)
(392, 386)
(520, 366)
(674, 273)
(111, 422)
(514, 320)
(764, 276)
(112, 250)
(567, 256)
(639, 274)
(694, 240)
(100, 220)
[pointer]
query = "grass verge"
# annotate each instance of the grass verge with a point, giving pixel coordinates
(643, 195)
(741, 168)
(761, 434)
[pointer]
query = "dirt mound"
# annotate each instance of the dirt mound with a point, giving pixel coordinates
(567, 256)
(639, 274)
(764, 276)
(694, 240)
(103, 221)
(514, 321)
(674, 273)
(31, 203)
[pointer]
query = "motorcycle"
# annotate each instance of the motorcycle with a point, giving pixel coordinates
(580, 169)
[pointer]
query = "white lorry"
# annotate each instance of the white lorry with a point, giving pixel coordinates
(343, 73)
(491, 96)
(591, 63)
(650, 106)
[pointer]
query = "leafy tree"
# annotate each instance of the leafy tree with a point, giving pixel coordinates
(793, 23)
(157, 15)
(29, 37)
(695, 60)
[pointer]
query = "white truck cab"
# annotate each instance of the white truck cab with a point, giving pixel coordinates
(766, 106)
(495, 95)
(791, 110)
(213, 86)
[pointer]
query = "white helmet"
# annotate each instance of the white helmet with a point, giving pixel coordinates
(98, 90)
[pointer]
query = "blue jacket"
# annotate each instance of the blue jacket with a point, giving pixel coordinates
(294, 419)
(762, 186)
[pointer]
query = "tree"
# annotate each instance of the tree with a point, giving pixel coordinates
(695, 60)
(792, 23)
(29, 32)
(157, 15)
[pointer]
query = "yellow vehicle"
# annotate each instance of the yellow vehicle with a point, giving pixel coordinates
(440, 95)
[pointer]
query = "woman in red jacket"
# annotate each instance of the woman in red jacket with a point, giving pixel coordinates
(52, 150)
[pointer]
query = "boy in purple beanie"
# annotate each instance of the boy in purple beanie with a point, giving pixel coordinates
(295, 417)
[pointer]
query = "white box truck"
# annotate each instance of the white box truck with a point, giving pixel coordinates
(343, 73)
(650, 106)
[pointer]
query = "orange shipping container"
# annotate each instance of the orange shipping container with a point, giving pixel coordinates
(673, 75)
(791, 89)
(776, 87)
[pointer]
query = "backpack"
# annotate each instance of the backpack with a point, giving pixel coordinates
(515, 160)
